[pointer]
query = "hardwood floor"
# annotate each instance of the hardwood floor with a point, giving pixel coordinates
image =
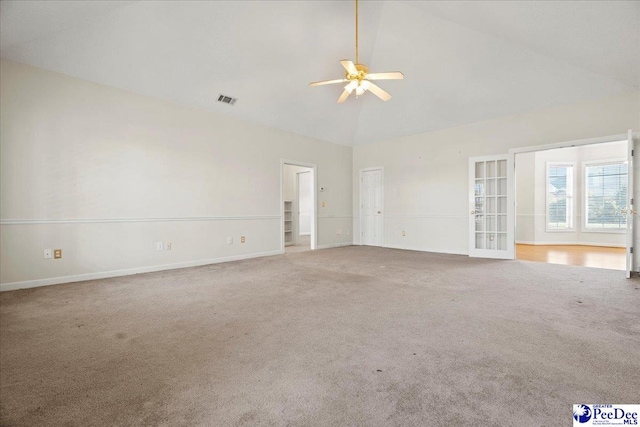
(587, 256)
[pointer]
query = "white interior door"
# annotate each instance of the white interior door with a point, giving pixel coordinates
(491, 219)
(630, 210)
(372, 216)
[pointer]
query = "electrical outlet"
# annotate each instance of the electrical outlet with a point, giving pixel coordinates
(243, 239)
(159, 246)
(57, 253)
(339, 232)
(229, 240)
(324, 204)
(167, 246)
(47, 254)
(404, 233)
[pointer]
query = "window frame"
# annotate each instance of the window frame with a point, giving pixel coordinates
(585, 200)
(571, 229)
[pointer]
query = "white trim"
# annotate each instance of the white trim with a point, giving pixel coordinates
(576, 143)
(127, 272)
(360, 216)
(509, 251)
(295, 210)
(425, 216)
(428, 216)
(537, 243)
(432, 250)
(631, 211)
(148, 219)
(334, 245)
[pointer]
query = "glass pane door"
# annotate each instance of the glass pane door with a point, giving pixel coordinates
(489, 207)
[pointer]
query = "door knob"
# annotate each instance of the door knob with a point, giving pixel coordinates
(473, 212)
(379, 212)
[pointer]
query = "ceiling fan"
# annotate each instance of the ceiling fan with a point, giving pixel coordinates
(358, 77)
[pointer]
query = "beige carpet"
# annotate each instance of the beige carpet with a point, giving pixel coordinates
(303, 244)
(339, 337)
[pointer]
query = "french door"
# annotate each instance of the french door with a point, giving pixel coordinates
(491, 208)
(630, 209)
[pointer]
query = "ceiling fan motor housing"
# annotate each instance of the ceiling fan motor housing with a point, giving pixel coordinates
(362, 73)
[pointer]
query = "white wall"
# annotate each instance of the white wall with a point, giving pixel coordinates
(426, 176)
(525, 197)
(305, 203)
(531, 195)
(289, 180)
(104, 174)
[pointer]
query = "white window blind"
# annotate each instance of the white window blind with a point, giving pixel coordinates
(560, 200)
(606, 196)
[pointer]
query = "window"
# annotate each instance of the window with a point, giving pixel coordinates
(606, 196)
(559, 196)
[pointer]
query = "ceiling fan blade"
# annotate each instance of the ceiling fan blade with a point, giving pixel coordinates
(327, 82)
(385, 96)
(348, 65)
(344, 96)
(391, 75)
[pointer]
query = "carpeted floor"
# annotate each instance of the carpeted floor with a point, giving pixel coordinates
(338, 337)
(304, 244)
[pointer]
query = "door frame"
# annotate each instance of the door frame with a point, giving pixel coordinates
(510, 251)
(360, 216)
(511, 188)
(314, 200)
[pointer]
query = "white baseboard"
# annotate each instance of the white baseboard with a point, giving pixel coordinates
(127, 272)
(334, 245)
(432, 250)
(603, 245)
(437, 251)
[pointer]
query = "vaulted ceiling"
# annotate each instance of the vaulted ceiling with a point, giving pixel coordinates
(463, 61)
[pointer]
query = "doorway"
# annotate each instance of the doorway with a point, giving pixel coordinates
(574, 203)
(298, 207)
(371, 207)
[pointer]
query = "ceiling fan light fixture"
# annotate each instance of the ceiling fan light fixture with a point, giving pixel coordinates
(362, 87)
(359, 78)
(353, 84)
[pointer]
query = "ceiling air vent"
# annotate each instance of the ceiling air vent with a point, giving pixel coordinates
(227, 99)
